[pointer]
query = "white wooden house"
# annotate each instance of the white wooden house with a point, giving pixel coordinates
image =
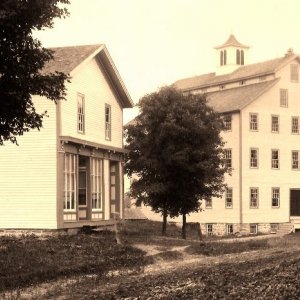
(69, 174)
(261, 106)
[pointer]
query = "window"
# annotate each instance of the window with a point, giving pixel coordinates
(295, 160)
(225, 57)
(294, 72)
(229, 229)
(70, 182)
(228, 158)
(274, 227)
(208, 203)
(275, 159)
(228, 198)
(253, 122)
(80, 113)
(253, 228)
(227, 122)
(275, 197)
(238, 57)
(96, 183)
(253, 197)
(253, 158)
(222, 86)
(209, 229)
(275, 124)
(107, 122)
(283, 97)
(221, 58)
(242, 57)
(242, 82)
(295, 125)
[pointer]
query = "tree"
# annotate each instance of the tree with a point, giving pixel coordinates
(22, 59)
(175, 149)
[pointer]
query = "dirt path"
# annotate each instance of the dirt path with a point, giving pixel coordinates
(81, 287)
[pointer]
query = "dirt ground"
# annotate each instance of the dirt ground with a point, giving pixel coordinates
(157, 278)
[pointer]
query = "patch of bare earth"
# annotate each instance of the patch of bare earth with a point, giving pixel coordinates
(166, 260)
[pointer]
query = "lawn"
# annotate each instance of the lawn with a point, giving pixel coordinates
(93, 266)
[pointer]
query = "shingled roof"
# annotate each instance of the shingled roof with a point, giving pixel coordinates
(235, 99)
(67, 59)
(243, 72)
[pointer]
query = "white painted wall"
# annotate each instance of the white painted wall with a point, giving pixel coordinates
(90, 81)
(28, 176)
(264, 177)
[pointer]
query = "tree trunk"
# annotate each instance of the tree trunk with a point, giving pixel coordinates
(164, 225)
(199, 232)
(184, 226)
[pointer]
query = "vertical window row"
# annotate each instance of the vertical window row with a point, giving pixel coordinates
(227, 122)
(295, 160)
(253, 158)
(253, 197)
(228, 158)
(275, 124)
(228, 198)
(275, 159)
(295, 125)
(275, 197)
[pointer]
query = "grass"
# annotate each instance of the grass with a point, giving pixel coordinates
(29, 260)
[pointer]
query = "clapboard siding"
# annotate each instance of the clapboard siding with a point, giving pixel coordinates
(28, 176)
(90, 80)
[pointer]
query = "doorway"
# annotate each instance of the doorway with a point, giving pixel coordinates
(295, 202)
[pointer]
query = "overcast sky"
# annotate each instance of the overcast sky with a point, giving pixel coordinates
(156, 42)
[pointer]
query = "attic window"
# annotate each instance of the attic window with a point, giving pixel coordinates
(294, 73)
(222, 86)
(243, 82)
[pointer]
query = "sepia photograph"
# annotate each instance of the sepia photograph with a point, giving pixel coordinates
(149, 149)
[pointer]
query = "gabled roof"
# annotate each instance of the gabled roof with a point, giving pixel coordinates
(243, 72)
(235, 99)
(69, 59)
(232, 41)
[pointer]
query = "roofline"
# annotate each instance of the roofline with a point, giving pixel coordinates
(87, 59)
(227, 81)
(261, 92)
(123, 94)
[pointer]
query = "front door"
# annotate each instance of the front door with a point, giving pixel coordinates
(82, 189)
(295, 203)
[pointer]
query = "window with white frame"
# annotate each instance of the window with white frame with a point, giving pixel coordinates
(229, 229)
(295, 160)
(208, 203)
(228, 198)
(228, 158)
(295, 125)
(107, 122)
(227, 122)
(70, 182)
(284, 98)
(253, 122)
(253, 228)
(275, 159)
(294, 72)
(209, 229)
(253, 197)
(275, 124)
(80, 113)
(275, 197)
(253, 158)
(96, 183)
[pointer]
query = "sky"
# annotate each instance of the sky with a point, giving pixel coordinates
(156, 42)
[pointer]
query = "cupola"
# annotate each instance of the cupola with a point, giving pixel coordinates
(231, 55)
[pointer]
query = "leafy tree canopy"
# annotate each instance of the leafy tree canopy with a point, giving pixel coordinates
(22, 59)
(175, 150)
